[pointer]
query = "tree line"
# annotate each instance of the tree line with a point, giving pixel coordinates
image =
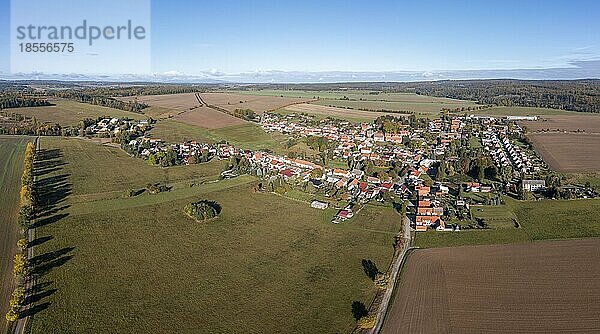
(26, 211)
(19, 100)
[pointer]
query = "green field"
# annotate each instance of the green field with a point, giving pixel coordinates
(430, 106)
(538, 220)
(521, 111)
(351, 95)
(248, 136)
(67, 113)
(495, 216)
(139, 264)
(12, 151)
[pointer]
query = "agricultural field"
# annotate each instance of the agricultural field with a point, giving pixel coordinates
(69, 113)
(568, 152)
(260, 104)
(502, 111)
(425, 106)
(548, 286)
(176, 102)
(225, 100)
(342, 113)
(361, 95)
(538, 220)
(12, 151)
(245, 271)
(566, 122)
(208, 118)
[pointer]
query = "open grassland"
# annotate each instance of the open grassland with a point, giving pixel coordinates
(248, 136)
(139, 264)
(115, 170)
(542, 287)
(495, 216)
(568, 152)
(66, 112)
(12, 151)
(208, 118)
(538, 220)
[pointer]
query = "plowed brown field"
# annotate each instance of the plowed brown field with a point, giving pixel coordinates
(568, 152)
(542, 287)
(208, 118)
(258, 103)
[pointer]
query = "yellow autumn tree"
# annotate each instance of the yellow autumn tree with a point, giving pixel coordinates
(22, 243)
(12, 316)
(26, 196)
(20, 265)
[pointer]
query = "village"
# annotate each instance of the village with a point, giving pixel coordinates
(434, 171)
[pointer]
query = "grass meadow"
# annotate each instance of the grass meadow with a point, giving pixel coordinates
(12, 151)
(69, 113)
(139, 264)
(248, 136)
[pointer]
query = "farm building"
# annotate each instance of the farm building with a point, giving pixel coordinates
(319, 205)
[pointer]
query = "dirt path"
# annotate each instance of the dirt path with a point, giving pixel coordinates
(11, 168)
(387, 297)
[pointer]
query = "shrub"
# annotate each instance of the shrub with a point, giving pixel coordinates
(366, 322)
(156, 188)
(382, 281)
(202, 210)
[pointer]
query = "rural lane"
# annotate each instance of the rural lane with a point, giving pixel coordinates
(21, 322)
(387, 296)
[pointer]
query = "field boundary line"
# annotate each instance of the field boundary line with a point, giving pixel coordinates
(22, 322)
(387, 296)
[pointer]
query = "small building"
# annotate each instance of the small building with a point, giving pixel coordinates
(533, 185)
(319, 205)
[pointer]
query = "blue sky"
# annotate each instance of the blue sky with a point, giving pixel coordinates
(193, 37)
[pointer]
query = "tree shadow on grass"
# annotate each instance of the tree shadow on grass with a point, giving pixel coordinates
(359, 309)
(51, 190)
(34, 310)
(370, 269)
(39, 240)
(48, 220)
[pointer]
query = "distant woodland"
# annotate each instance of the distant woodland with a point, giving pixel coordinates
(576, 95)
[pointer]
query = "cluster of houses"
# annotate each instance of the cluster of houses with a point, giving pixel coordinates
(115, 126)
(187, 152)
(504, 153)
(362, 141)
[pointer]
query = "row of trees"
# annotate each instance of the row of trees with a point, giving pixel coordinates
(99, 100)
(20, 263)
(246, 114)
